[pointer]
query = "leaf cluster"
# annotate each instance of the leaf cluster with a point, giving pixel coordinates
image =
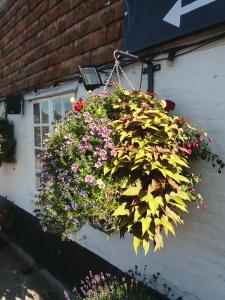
(7, 141)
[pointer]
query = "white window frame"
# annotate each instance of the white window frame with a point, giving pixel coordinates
(63, 97)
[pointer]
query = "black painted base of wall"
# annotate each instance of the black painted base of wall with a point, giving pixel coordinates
(67, 261)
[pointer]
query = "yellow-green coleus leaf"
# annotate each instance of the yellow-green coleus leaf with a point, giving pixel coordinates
(146, 245)
(133, 190)
(154, 204)
(136, 243)
(145, 224)
(167, 225)
(158, 239)
(121, 211)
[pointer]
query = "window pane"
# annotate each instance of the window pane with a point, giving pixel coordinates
(44, 112)
(37, 136)
(38, 159)
(36, 113)
(37, 179)
(67, 106)
(57, 109)
(45, 131)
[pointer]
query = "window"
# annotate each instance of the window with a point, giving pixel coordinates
(44, 113)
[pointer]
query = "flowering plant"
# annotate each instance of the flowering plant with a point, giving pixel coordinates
(73, 189)
(122, 160)
(110, 287)
(7, 141)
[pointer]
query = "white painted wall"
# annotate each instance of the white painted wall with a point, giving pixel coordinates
(193, 263)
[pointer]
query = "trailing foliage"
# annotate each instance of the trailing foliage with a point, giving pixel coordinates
(7, 142)
(73, 190)
(122, 160)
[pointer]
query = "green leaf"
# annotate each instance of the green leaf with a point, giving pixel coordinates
(154, 204)
(146, 245)
(145, 223)
(137, 214)
(158, 239)
(106, 170)
(136, 243)
(167, 225)
(180, 206)
(178, 160)
(133, 190)
(172, 215)
(121, 211)
(148, 198)
(123, 136)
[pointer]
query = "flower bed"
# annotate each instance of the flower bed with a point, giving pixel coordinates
(121, 160)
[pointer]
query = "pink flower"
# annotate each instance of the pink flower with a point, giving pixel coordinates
(98, 164)
(205, 206)
(74, 167)
(210, 139)
(113, 153)
(103, 154)
(101, 184)
(89, 179)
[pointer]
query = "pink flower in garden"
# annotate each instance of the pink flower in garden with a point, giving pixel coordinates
(101, 184)
(103, 154)
(104, 94)
(74, 167)
(205, 206)
(89, 179)
(144, 105)
(96, 153)
(85, 138)
(98, 164)
(210, 139)
(69, 139)
(114, 153)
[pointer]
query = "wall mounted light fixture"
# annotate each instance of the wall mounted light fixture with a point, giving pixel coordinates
(90, 77)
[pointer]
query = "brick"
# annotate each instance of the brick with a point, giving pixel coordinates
(44, 40)
(113, 32)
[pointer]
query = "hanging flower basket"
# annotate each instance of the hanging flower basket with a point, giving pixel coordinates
(7, 142)
(121, 160)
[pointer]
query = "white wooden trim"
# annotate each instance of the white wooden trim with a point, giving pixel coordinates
(63, 89)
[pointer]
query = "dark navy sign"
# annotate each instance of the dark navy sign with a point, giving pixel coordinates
(153, 22)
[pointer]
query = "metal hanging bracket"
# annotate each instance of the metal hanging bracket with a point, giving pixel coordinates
(149, 70)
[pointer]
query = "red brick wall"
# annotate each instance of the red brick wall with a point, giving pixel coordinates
(44, 40)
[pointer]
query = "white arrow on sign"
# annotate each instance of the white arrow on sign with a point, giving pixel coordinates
(174, 15)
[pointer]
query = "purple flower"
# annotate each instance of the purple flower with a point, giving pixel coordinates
(82, 193)
(103, 154)
(113, 153)
(74, 205)
(67, 207)
(98, 164)
(74, 167)
(66, 295)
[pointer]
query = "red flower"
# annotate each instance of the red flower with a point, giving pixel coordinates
(170, 105)
(79, 105)
(1, 216)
